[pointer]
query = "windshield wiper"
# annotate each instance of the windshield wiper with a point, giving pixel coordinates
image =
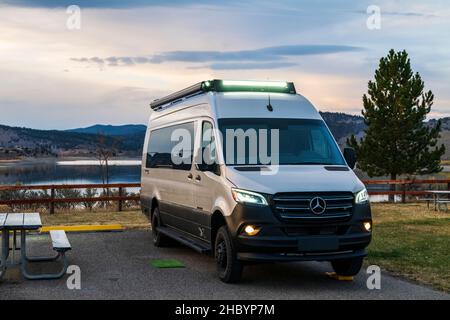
(257, 165)
(306, 163)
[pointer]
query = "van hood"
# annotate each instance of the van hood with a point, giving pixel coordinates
(295, 178)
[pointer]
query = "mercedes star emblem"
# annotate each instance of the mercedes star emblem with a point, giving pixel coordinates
(317, 205)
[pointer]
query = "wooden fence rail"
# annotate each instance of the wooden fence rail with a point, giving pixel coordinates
(120, 198)
(429, 181)
(70, 186)
(404, 186)
(52, 199)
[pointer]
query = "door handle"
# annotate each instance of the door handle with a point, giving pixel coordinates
(147, 171)
(198, 178)
(190, 176)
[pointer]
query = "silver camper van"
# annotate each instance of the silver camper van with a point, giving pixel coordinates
(249, 172)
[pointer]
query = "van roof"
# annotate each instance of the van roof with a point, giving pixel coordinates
(256, 105)
(238, 104)
(223, 86)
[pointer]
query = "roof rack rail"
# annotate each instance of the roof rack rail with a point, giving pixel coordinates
(224, 86)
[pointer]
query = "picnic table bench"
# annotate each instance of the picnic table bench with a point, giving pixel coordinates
(437, 200)
(24, 222)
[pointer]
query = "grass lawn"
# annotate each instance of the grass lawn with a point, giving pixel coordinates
(411, 241)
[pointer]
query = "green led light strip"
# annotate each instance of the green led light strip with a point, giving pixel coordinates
(247, 83)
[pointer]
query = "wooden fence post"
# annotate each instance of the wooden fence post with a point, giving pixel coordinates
(52, 203)
(404, 193)
(120, 200)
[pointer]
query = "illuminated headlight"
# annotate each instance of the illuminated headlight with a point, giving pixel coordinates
(251, 230)
(362, 196)
(244, 196)
(367, 226)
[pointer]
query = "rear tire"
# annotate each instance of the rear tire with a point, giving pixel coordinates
(229, 267)
(347, 267)
(159, 239)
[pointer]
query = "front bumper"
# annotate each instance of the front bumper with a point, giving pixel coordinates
(279, 240)
(286, 257)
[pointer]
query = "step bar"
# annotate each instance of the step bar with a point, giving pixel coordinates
(189, 241)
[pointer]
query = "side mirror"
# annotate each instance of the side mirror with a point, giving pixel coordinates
(350, 157)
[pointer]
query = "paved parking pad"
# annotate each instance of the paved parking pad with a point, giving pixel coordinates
(117, 265)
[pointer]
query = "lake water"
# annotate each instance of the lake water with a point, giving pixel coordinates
(76, 171)
(33, 172)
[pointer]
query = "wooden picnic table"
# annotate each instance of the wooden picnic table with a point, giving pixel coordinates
(437, 199)
(24, 222)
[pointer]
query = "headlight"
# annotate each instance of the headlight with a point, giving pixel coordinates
(362, 196)
(244, 196)
(251, 230)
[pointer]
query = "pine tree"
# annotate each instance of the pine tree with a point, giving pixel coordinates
(397, 141)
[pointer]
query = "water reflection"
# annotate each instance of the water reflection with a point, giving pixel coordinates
(53, 172)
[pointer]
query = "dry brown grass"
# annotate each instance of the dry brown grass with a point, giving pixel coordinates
(129, 219)
(389, 212)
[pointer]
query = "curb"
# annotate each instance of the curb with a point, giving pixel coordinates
(85, 228)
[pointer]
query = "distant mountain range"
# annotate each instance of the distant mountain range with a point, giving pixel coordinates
(343, 125)
(128, 139)
(110, 130)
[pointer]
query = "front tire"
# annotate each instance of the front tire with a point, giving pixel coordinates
(229, 267)
(347, 267)
(159, 239)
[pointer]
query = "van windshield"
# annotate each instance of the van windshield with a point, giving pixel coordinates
(255, 141)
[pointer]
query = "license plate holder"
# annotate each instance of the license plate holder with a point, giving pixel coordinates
(318, 244)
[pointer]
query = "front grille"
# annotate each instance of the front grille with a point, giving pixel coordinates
(294, 206)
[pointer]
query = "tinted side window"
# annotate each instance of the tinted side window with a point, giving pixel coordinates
(171, 147)
(208, 146)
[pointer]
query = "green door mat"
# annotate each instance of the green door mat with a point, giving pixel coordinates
(167, 263)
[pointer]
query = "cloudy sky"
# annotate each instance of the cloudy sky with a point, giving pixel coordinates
(127, 53)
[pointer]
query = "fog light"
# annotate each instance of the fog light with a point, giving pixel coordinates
(251, 230)
(367, 225)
